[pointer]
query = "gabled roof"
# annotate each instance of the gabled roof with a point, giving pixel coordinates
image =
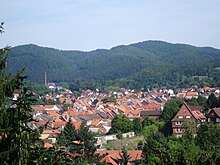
(196, 108)
(216, 110)
(195, 113)
(113, 155)
(108, 159)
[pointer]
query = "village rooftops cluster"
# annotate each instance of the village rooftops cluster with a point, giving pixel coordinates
(90, 108)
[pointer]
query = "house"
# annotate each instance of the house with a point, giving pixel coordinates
(52, 108)
(214, 115)
(185, 117)
(190, 95)
(152, 114)
(112, 157)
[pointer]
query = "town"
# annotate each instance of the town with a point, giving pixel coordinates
(97, 110)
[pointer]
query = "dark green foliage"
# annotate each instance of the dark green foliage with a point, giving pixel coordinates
(192, 102)
(15, 142)
(137, 126)
(146, 64)
(204, 149)
(18, 143)
(208, 137)
(170, 109)
(202, 101)
(147, 122)
(69, 131)
(213, 101)
(119, 135)
(62, 140)
(154, 150)
(68, 135)
(55, 156)
(121, 123)
(85, 149)
(109, 99)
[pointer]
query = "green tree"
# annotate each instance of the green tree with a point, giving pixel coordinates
(124, 157)
(14, 115)
(170, 109)
(202, 101)
(121, 123)
(147, 121)
(150, 130)
(213, 101)
(85, 148)
(137, 125)
(154, 150)
(208, 136)
(62, 141)
(174, 149)
(18, 143)
(53, 155)
(69, 131)
(192, 102)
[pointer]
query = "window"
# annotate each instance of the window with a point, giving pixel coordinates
(209, 120)
(217, 120)
(188, 117)
(178, 130)
(180, 117)
(178, 123)
(184, 111)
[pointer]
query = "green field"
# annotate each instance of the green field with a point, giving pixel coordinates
(129, 143)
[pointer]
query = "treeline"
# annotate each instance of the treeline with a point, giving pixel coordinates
(142, 65)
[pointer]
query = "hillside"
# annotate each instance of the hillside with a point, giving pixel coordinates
(149, 63)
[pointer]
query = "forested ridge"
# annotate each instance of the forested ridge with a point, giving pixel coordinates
(144, 64)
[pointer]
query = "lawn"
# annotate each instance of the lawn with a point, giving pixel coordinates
(129, 143)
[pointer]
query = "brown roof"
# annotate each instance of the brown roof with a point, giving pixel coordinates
(115, 154)
(216, 110)
(150, 113)
(192, 94)
(196, 108)
(38, 108)
(108, 159)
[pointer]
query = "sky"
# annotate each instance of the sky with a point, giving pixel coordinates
(102, 24)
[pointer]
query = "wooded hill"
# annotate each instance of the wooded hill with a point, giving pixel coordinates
(144, 64)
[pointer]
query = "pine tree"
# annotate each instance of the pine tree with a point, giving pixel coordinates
(213, 101)
(17, 141)
(69, 131)
(14, 114)
(86, 148)
(68, 135)
(124, 157)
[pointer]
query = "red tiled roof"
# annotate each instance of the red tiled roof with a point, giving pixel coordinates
(196, 108)
(115, 154)
(38, 108)
(192, 94)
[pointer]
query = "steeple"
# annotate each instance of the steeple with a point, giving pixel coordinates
(45, 78)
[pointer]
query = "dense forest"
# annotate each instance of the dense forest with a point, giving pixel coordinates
(141, 65)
